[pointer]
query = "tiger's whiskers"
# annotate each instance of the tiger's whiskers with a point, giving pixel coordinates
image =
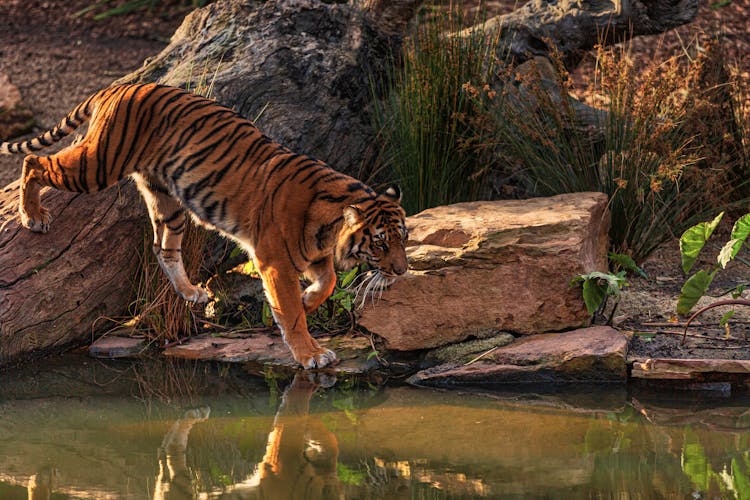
(372, 284)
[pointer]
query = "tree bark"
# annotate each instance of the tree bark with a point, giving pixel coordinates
(54, 286)
(302, 69)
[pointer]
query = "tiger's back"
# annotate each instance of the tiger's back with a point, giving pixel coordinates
(290, 212)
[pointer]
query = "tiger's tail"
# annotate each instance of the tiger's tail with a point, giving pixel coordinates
(72, 121)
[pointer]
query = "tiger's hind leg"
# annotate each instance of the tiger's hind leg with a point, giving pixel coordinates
(33, 215)
(169, 220)
(74, 169)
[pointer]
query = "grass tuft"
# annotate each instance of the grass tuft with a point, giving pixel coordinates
(428, 122)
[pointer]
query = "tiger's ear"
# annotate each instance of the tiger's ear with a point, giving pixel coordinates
(352, 215)
(393, 192)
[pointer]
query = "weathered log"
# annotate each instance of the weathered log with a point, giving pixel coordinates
(54, 286)
(572, 27)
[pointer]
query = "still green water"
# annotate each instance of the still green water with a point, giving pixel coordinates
(79, 428)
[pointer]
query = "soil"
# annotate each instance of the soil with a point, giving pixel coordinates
(57, 59)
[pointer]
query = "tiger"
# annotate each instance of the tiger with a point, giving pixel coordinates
(188, 155)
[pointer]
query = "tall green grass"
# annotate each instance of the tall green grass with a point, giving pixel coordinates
(428, 122)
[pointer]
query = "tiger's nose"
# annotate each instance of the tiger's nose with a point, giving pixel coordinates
(400, 268)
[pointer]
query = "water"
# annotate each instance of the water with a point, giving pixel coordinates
(78, 428)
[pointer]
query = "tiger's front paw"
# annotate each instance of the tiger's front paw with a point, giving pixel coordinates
(39, 223)
(317, 359)
(194, 294)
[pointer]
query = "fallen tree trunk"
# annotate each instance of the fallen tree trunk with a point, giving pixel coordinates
(300, 68)
(570, 28)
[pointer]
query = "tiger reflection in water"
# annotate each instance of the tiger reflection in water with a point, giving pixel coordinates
(299, 461)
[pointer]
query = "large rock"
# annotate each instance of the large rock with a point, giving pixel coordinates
(596, 354)
(480, 267)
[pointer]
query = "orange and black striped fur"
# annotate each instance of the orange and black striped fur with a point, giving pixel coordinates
(291, 213)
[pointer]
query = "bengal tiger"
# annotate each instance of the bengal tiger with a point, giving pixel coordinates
(292, 214)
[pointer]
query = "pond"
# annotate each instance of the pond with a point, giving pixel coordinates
(81, 428)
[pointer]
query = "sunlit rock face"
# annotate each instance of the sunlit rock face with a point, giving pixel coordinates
(482, 267)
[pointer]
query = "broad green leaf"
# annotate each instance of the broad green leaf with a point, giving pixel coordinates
(728, 251)
(346, 302)
(737, 292)
(627, 263)
(740, 233)
(727, 316)
(693, 289)
(594, 293)
(741, 228)
(693, 240)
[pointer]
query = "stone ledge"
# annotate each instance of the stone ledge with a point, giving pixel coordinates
(687, 369)
(263, 348)
(593, 355)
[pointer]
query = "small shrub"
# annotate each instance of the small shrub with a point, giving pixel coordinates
(660, 171)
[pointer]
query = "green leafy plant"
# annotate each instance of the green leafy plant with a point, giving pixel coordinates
(692, 243)
(597, 287)
(336, 313)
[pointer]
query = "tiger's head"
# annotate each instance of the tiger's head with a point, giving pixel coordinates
(374, 232)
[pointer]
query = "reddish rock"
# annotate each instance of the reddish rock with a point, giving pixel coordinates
(15, 118)
(595, 354)
(487, 266)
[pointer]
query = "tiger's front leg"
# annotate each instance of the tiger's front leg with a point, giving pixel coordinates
(281, 284)
(323, 277)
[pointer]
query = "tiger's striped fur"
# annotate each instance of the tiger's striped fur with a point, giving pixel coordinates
(291, 213)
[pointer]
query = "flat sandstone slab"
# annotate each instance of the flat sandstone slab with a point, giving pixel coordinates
(483, 267)
(262, 348)
(596, 354)
(687, 369)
